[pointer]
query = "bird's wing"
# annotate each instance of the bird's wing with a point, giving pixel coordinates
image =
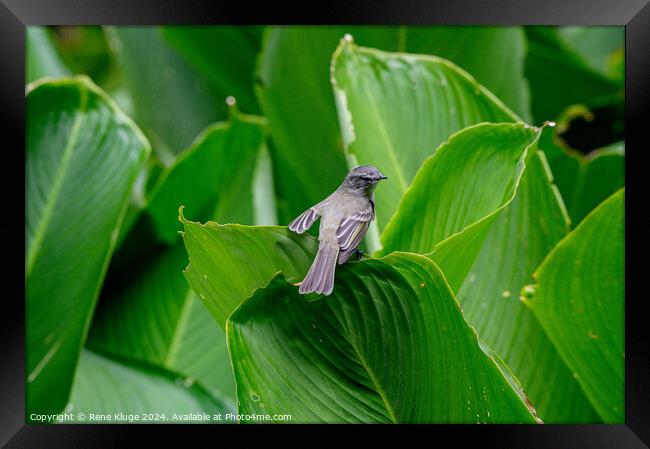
(351, 230)
(304, 221)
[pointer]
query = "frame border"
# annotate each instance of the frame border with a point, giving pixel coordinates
(15, 15)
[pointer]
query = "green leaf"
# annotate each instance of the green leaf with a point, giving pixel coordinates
(43, 57)
(83, 156)
(558, 76)
(229, 262)
(172, 102)
(395, 109)
(224, 55)
(585, 180)
(390, 345)
(124, 390)
(296, 94)
(579, 300)
(458, 192)
(212, 178)
(520, 237)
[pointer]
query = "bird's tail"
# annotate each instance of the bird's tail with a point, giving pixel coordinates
(320, 278)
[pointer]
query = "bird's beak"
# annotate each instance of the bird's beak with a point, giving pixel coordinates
(382, 177)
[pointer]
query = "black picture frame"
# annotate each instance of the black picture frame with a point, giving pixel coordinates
(15, 15)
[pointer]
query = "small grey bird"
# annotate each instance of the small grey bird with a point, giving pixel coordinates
(345, 217)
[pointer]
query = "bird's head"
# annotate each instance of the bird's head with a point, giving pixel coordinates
(364, 177)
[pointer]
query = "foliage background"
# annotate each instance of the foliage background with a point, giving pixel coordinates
(153, 131)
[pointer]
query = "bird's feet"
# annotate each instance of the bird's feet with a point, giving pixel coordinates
(359, 254)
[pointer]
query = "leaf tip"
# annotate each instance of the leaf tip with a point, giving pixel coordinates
(345, 43)
(233, 110)
(181, 217)
(526, 294)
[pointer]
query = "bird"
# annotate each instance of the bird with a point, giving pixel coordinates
(345, 216)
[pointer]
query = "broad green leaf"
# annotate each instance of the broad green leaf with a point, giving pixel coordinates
(395, 109)
(83, 156)
(457, 194)
(123, 390)
(521, 236)
(296, 93)
(172, 102)
(558, 76)
(389, 346)
(43, 57)
(154, 315)
(585, 180)
(579, 300)
(228, 262)
(212, 178)
(224, 55)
